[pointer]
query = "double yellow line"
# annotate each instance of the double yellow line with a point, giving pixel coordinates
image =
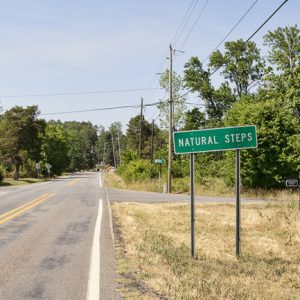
(23, 208)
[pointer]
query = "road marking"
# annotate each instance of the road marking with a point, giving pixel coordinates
(93, 292)
(3, 193)
(100, 181)
(73, 182)
(21, 209)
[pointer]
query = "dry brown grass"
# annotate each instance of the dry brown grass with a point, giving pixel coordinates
(153, 251)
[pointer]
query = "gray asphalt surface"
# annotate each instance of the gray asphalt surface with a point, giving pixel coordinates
(117, 195)
(45, 251)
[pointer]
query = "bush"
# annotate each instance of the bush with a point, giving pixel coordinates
(138, 170)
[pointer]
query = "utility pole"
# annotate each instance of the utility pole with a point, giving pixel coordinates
(119, 146)
(104, 148)
(152, 141)
(113, 149)
(170, 120)
(141, 126)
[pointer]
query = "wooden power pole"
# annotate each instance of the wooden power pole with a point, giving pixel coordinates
(141, 127)
(152, 141)
(170, 121)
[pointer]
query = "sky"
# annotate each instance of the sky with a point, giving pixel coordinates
(102, 54)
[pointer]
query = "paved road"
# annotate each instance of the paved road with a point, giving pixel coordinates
(56, 237)
(49, 240)
(117, 195)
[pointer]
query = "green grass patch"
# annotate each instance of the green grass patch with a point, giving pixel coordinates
(210, 187)
(21, 181)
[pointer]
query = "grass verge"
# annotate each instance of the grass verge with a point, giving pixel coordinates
(212, 187)
(21, 181)
(153, 251)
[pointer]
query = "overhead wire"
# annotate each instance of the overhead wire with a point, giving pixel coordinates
(257, 30)
(176, 36)
(80, 93)
(184, 21)
(266, 21)
(246, 41)
(231, 30)
(99, 109)
(149, 104)
(194, 25)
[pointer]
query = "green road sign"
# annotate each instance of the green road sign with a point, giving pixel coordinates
(216, 139)
(159, 161)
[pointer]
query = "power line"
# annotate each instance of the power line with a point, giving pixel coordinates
(194, 24)
(263, 24)
(81, 93)
(176, 36)
(238, 22)
(257, 30)
(99, 109)
(248, 39)
(184, 21)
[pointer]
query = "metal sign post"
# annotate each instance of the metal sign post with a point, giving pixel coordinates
(211, 140)
(38, 167)
(294, 183)
(238, 203)
(48, 169)
(159, 161)
(192, 170)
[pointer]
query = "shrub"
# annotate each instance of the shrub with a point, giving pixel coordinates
(137, 170)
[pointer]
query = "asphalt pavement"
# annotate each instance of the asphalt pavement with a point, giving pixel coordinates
(56, 237)
(50, 247)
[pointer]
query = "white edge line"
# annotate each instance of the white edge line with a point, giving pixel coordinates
(3, 193)
(100, 181)
(110, 218)
(93, 291)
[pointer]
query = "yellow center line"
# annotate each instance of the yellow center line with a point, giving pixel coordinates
(73, 182)
(21, 209)
(22, 206)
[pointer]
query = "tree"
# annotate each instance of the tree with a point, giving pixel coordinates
(194, 119)
(284, 57)
(284, 46)
(217, 100)
(115, 132)
(56, 147)
(276, 157)
(21, 134)
(133, 136)
(82, 138)
(100, 144)
(241, 64)
(178, 101)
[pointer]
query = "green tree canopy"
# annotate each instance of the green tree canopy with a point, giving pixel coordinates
(276, 157)
(217, 100)
(178, 101)
(56, 147)
(21, 134)
(241, 64)
(284, 44)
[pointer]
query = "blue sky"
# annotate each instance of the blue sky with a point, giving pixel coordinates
(54, 47)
